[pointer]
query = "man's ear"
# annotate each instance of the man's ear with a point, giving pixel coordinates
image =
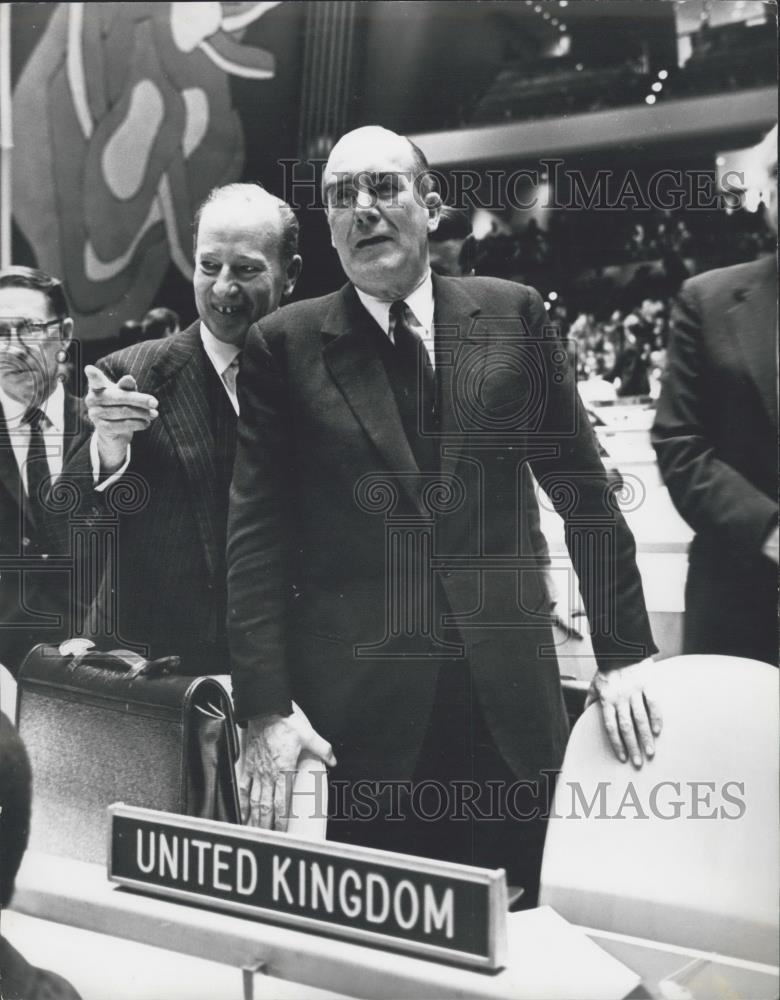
(292, 274)
(432, 203)
(330, 228)
(66, 331)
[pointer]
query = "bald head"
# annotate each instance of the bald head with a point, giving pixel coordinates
(249, 198)
(367, 136)
(360, 139)
(246, 258)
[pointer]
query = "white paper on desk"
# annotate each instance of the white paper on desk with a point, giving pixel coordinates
(551, 959)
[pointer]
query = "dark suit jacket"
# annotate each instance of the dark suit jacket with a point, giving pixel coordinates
(170, 576)
(715, 435)
(325, 478)
(34, 584)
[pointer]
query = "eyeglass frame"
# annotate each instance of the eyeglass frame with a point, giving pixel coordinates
(24, 327)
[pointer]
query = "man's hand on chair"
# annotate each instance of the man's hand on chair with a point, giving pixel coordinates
(631, 715)
(269, 761)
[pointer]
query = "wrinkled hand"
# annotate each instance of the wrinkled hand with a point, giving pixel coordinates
(631, 715)
(268, 764)
(117, 410)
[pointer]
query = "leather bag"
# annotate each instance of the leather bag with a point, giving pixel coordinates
(104, 727)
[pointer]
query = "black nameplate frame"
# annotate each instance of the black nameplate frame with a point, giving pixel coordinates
(453, 913)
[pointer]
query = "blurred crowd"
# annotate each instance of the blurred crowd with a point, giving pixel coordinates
(156, 324)
(623, 355)
(614, 310)
(569, 244)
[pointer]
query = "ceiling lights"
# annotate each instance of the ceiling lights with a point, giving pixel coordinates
(657, 87)
(539, 8)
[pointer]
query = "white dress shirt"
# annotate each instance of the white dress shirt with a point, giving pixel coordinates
(52, 428)
(420, 301)
(221, 356)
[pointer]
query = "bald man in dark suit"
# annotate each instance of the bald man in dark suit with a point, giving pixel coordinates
(397, 409)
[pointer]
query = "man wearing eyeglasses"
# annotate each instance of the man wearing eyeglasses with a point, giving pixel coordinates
(38, 420)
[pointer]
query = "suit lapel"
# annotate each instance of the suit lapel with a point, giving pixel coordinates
(453, 320)
(10, 480)
(358, 371)
(356, 368)
(753, 322)
(75, 422)
(184, 411)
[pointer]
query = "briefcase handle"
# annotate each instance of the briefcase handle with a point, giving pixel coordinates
(130, 663)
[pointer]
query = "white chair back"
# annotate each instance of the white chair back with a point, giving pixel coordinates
(7, 693)
(684, 850)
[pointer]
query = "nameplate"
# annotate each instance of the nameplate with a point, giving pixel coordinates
(449, 912)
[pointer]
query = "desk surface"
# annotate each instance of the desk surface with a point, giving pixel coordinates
(79, 895)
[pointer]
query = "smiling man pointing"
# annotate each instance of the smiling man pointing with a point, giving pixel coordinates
(164, 412)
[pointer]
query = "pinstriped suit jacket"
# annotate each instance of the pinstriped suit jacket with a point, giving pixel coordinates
(165, 588)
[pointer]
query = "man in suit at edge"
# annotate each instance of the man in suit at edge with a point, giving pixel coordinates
(715, 435)
(39, 421)
(165, 411)
(324, 414)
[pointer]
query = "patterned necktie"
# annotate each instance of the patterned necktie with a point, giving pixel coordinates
(414, 356)
(37, 465)
(230, 374)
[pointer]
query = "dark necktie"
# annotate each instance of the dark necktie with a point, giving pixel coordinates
(415, 384)
(412, 351)
(37, 466)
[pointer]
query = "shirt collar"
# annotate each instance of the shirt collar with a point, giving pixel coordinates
(420, 301)
(218, 352)
(53, 408)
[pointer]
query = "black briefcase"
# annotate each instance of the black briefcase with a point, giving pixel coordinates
(103, 727)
